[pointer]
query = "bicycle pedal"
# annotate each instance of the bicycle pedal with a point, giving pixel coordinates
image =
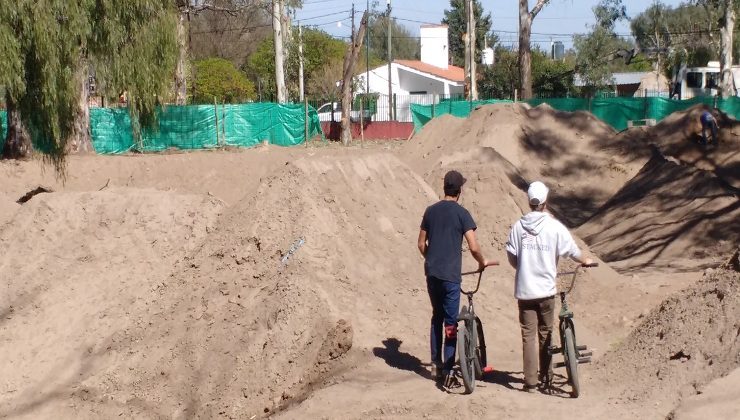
(587, 353)
(586, 359)
(559, 365)
(581, 348)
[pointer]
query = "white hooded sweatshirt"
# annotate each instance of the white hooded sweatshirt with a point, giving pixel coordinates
(538, 240)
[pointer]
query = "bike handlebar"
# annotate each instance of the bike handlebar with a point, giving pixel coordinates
(480, 271)
(574, 273)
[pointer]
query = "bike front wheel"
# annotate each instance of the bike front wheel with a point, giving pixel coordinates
(466, 354)
(571, 361)
(481, 359)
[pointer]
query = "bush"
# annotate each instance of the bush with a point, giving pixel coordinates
(220, 79)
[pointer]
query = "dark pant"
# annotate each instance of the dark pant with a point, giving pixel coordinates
(710, 127)
(445, 298)
(536, 317)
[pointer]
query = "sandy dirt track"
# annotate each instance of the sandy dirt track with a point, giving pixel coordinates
(286, 283)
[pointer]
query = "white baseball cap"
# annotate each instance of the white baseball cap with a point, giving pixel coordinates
(537, 193)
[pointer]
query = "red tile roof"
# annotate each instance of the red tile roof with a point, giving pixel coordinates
(452, 73)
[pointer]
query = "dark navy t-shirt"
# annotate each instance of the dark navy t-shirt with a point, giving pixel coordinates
(445, 223)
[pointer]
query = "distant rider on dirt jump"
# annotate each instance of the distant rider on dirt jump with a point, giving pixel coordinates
(708, 124)
(440, 242)
(535, 244)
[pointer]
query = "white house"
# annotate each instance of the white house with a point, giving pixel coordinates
(416, 81)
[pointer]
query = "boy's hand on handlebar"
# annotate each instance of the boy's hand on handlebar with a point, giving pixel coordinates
(486, 263)
(588, 262)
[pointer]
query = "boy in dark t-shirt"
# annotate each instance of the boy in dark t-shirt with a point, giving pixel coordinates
(440, 242)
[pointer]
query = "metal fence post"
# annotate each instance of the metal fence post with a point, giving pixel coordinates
(305, 120)
(395, 117)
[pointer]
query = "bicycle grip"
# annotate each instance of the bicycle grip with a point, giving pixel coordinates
(590, 265)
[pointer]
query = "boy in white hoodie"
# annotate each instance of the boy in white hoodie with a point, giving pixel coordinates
(535, 244)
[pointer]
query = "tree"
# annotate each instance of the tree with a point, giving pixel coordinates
(230, 36)
(551, 78)
(404, 45)
(525, 51)
(456, 20)
(348, 72)
(319, 50)
(598, 52)
(219, 78)
(130, 47)
(727, 33)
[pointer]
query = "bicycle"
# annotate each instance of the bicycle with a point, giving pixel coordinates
(573, 354)
(471, 343)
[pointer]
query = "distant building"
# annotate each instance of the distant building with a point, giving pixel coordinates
(637, 84)
(416, 81)
(557, 50)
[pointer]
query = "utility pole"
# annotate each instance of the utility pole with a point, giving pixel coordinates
(301, 87)
(466, 41)
(390, 61)
(473, 61)
(470, 43)
(277, 7)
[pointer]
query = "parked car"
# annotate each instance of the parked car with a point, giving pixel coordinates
(326, 110)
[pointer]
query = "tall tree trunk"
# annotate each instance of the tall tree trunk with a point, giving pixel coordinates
(181, 83)
(80, 140)
(525, 49)
(350, 59)
(17, 142)
(725, 59)
(279, 54)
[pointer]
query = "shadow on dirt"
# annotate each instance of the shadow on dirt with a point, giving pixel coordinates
(505, 379)
(397, 359)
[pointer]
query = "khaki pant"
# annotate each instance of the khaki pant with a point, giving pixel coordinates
(536, 318)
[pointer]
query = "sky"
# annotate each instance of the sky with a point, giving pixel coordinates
(557, 21)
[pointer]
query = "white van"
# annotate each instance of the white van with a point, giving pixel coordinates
(702, 81)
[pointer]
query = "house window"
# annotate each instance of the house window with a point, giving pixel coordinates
(418, 92)
(694, 79)
(712, 80)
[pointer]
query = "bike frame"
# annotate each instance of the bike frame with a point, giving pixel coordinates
(566, 322)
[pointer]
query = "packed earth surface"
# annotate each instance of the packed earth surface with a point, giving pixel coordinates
(286, 283)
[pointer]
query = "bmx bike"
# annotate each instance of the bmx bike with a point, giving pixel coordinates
(471, 342)
(573, 354)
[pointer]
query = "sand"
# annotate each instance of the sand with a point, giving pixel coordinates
(286, 283)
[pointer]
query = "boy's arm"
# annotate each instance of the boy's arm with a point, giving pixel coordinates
(422, 242)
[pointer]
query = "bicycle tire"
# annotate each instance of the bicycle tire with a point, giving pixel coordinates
(466, 357)
(481, 360)
(571, 361)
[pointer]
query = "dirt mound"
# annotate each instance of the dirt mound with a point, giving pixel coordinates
(75, 266)
(678, 136)
(8, 207)
(669, 216)
(690, 339)
(231, 329)
(568, 151)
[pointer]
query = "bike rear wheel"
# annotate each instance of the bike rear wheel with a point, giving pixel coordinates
(466, 354)
(480, 349)
(571, 361)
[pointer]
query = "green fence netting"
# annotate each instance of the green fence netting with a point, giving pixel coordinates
(616, 112)
(204, 126)
(279, 124)
(3, 128)
(422, 114)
